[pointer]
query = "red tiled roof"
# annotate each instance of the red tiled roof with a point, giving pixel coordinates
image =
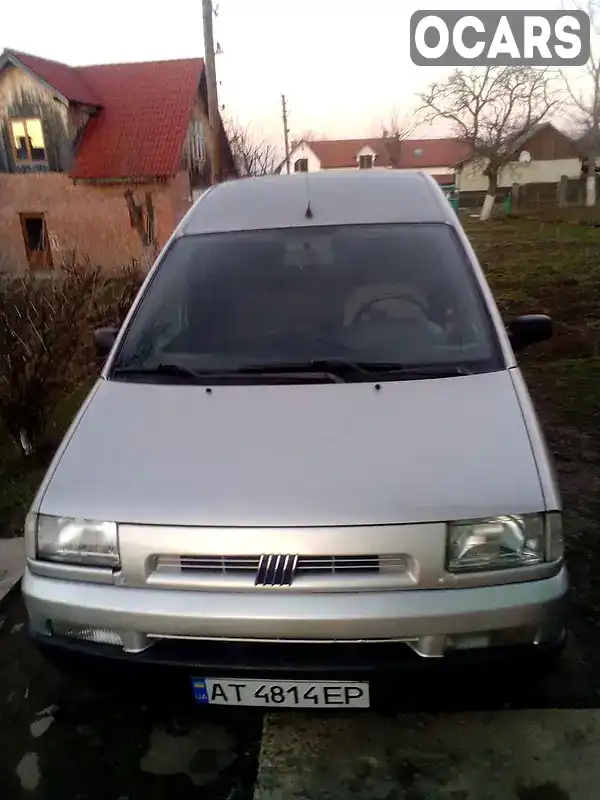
(140, 130)
(444, 180)
(436, 153)
(66, 80)
(143, 113)
(339, 153)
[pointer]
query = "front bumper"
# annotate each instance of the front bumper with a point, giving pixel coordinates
(273, 630)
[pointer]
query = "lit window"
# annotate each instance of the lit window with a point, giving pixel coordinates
(28, 140)
(301, 165)
(365, 162)
(418, 151)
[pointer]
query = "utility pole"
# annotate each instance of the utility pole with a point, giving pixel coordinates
(286, 134)
(211, 87)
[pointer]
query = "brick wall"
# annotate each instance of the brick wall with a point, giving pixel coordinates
(91, 220)
(180, 194)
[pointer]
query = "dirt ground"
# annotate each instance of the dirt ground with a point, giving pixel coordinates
(64, 739)
(545, 267)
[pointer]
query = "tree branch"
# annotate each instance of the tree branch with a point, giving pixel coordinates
(253, 155)
(491, 109)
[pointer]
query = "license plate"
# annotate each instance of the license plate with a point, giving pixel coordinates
(280, 694)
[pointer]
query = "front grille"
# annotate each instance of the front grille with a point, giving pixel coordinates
(318, 565)
(306, 565)
(225, 565)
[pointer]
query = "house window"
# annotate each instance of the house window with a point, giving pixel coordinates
(198, 149)
(365, 162)
(35, 238)
(418, 151)
(301, 165)
(28, 140)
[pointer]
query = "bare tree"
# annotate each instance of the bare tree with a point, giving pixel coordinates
(583, 88)
(310, 135)
(252, 154)
(491, 110)
(395, 131)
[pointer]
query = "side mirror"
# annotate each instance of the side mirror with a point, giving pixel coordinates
(529, 329)
(104, 339)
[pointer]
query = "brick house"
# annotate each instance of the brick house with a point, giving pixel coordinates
(100, 161)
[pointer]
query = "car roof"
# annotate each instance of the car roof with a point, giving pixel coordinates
(336, 198)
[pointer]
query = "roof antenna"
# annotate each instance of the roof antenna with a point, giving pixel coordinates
(309, 212)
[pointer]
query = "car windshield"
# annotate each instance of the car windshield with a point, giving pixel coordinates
(400, 295)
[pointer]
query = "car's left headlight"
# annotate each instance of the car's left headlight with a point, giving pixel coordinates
(503, 542)
(76, 541)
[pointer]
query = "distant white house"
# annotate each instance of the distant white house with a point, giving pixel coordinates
(439, 157)
(543, 156)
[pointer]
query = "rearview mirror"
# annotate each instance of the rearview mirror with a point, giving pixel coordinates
(529, 329)
(104, 339)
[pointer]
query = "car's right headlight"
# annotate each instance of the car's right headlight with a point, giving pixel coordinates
(504, 542)
(74, 541)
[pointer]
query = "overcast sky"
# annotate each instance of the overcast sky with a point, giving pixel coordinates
(343, 64)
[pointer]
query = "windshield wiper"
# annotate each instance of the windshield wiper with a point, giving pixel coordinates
(200, 375)
(338, 367)
(344, 368)
(416, 370)
(160, 369)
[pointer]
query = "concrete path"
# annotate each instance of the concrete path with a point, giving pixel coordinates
(12, 564)
(508, 755)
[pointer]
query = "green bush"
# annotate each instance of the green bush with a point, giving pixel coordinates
(46, 344)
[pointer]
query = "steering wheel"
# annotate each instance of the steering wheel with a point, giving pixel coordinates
(365, 307)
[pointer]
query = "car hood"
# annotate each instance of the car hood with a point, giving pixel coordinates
(298, 455)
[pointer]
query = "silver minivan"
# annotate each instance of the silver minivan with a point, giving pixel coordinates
(310, 459)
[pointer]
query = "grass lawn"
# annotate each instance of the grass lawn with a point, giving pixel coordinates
(555, 269)
(549, 268)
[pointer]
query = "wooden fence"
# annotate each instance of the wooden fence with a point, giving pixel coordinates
(566, 193)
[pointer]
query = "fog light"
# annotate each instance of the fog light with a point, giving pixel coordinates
(503, 637)
(85, 633)
(525, 634)
(468, 641)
